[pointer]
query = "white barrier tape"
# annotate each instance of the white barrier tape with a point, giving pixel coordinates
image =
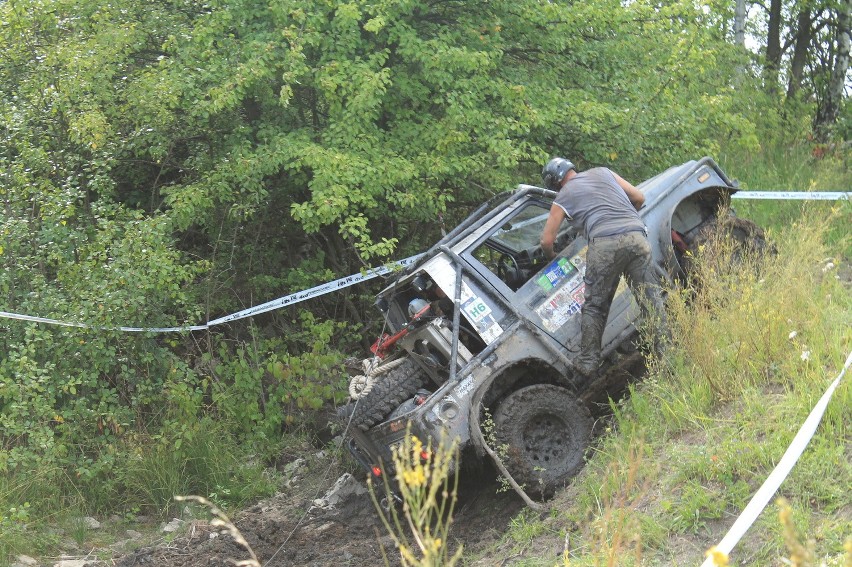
(310, 293)
(291, 299)
(779, 473)
(19, 317)
(795, 195)
(358, 278)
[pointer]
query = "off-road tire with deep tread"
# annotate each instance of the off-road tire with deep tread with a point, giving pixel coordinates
(745, 237)
(391, 389)
(542, 432)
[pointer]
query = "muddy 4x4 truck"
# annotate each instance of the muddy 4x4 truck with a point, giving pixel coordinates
(482, 330)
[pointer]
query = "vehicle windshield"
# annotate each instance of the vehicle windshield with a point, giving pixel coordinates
(523, 231)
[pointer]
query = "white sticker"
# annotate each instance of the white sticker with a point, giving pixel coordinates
(477, 310)
(561, 306)
(464, 387)
(491, 333)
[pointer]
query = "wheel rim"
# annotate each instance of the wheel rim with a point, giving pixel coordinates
(544, 440)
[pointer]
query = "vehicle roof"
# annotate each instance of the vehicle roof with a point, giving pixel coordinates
(675, 176)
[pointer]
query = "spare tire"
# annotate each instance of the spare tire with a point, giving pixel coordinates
(542, 432)
(391, 390)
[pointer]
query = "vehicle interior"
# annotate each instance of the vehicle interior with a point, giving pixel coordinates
(513, 252)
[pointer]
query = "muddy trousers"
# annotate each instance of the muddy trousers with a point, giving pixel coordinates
(607, 259)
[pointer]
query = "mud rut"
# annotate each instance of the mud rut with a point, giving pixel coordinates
(282, 532)
(351, 535)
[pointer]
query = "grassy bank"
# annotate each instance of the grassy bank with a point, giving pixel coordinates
(794, 166)
(44, 511)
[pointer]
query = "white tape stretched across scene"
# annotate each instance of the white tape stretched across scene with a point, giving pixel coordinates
(749, 514)
(770, 486)
(291, 299)
(347, 281)
(795, 195)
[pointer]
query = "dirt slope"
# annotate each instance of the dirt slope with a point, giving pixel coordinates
(286, 531)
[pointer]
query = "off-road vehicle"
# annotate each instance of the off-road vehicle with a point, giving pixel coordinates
(482, 329)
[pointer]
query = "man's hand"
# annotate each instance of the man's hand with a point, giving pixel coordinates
(551, 229)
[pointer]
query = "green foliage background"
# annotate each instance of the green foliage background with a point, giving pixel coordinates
(164, 163)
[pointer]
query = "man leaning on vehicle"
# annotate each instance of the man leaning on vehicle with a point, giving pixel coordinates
(605, 207)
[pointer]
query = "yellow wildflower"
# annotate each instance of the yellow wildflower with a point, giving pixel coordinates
(414, 477)
(416, 446)
(719, 557)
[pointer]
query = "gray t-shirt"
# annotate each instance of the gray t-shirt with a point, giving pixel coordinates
(596, 203)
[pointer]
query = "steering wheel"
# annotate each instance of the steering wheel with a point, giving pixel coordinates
(507, 267)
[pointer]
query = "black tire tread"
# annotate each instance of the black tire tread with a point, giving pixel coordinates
(520, 406)
(387, 394)
(746, 234)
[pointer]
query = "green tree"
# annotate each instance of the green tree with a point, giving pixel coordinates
(802, 46)
(173, 160)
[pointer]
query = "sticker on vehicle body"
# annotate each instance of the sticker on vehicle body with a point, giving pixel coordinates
(561, 306)
(463, 388)
(474, 308)
(480, 315)
(579, 294)
(562, 281)
(490, 334)
(565, 301)
(556, 272)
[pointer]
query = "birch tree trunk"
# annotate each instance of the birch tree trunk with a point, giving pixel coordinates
(739, 23)
(830, 108)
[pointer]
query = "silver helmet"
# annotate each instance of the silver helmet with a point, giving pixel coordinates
(555, 171)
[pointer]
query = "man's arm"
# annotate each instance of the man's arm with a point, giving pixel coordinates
(551, 229)
(635, 195)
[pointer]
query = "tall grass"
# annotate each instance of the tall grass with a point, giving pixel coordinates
(798, 165)
(793, 166)
(27, 502)
(209, 462)
(150, 472)
(752, 319)
(420, 530)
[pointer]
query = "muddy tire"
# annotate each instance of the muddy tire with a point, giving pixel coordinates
(391, 390)
(741, 237)
(542, 432)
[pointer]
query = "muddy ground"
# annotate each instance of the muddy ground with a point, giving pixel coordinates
(283, 531)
